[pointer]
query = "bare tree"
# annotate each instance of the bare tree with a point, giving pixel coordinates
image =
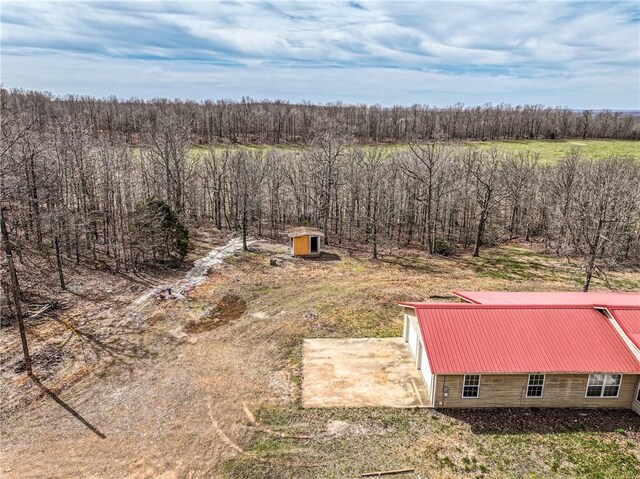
(605, 205)
(424, 165)
(328, 148)
(373, 166)
(486, 169)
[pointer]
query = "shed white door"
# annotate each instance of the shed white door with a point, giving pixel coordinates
(413, 339)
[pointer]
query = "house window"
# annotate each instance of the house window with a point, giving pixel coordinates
(471, 386)
(535, 385)
(638, 395)
(603, 385)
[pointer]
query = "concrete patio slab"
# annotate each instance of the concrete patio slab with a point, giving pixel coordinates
(361, 372)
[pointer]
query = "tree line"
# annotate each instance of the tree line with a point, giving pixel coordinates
(74, 196)
(251, 121)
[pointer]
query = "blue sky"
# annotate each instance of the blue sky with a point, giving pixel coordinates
(559, 53)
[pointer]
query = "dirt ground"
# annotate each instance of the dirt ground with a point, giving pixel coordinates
(210, 386)
(360, 372)
(152, 410)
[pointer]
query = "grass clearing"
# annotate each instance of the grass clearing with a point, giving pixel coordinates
(553, 150)
(356, 297)
(549, 150)
(349, 442)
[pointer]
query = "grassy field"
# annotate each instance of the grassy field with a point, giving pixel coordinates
(552, 150)
(549, 150)
(356, 297)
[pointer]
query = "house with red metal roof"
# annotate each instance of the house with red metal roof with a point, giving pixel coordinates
(535, 353)
(552, 297)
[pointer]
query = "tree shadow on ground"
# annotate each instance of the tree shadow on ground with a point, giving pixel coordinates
(545, 421)
(324, 256)
(66, 407)
(118, 346)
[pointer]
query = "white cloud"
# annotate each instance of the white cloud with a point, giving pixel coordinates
(387, 52)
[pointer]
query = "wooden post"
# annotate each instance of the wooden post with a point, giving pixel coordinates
(15, 291)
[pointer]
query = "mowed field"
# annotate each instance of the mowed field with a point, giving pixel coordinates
(552, 150)
(548, 150)
(211, 386)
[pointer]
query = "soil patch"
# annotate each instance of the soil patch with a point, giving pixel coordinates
(230, 307)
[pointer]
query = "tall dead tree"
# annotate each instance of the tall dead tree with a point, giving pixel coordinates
(15, 289)
(328, 148)
(423, 166)
(486, 171)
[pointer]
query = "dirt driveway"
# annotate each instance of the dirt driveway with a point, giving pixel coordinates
(360, 372)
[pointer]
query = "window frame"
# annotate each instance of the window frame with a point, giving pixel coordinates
(544, 380)
(603, 385)
(464, 380)
(637, 393)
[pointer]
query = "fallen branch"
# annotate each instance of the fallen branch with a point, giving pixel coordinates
(221, 433)
(44, 309)
(386, 473)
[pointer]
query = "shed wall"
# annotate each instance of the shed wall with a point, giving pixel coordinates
(301, 246)
(501, 390)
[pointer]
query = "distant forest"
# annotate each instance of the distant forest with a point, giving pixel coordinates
(276, 122)
(119, 184)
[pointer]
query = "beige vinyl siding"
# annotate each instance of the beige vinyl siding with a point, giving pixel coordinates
(510, 390)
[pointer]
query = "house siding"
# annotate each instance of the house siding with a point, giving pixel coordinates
(509, 390)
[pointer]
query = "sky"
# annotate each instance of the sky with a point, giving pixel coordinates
(557, 53)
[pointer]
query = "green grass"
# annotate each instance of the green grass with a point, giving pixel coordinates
(553, 150)
(548, 150)
(348, 442)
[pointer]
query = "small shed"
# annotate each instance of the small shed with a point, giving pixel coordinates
(305, 241)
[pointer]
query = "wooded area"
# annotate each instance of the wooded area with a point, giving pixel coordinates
(118, 184)
(277, 122)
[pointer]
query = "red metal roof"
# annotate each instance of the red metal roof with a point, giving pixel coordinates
(471, 338)
(629, 320)
(591, 298)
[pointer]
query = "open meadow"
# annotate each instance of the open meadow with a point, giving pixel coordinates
(552, 150)
(548, 150)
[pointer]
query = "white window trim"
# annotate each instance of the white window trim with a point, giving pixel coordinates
(637, 395)
(602, 387)
(464, 380)
(544, 380)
